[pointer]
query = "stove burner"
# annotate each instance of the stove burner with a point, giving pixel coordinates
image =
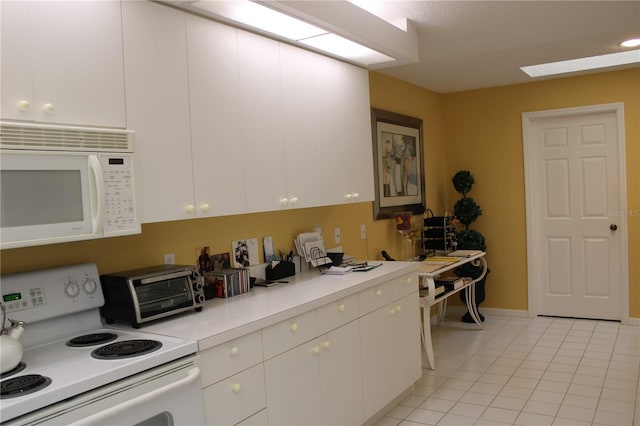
(91, 339)
(126, 349)
(15, 370)
(23, 385)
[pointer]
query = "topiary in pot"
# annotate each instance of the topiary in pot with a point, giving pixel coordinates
(466, 211)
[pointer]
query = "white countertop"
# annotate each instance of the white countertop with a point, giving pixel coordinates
(224, 319)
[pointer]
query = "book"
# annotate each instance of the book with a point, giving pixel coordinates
(464, 253)
(450, 282)
(438, 291)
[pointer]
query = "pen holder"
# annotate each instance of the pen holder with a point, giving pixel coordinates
(281, 270)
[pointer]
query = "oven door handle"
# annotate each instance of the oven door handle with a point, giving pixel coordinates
(192, 376)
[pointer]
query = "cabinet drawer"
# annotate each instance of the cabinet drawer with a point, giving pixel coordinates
(406, 285)
(333, 315)
(376, 297)
(289, 333)
(229, 358)
(236, 398)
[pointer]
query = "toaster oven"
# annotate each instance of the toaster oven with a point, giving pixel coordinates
(148, 294)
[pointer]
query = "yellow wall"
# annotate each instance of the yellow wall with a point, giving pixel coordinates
(484, 135)
(477, 130)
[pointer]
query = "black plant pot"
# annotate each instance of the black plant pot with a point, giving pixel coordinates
(480, 296)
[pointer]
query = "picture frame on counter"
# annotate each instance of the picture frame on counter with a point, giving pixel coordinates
(398, 153)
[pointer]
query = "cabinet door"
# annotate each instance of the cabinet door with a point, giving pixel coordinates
(216, 128)
(17, 88)
(341, 377)
(75, 49)
(155, 53)
(261, 122)
(292, 382)
(358, 134)
(391, 357)
(332, 122)
(300, 126)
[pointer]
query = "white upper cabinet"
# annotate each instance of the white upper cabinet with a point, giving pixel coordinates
(261, 122)
(300, 97)
(216, 126)
(62, 62)
(155, 52)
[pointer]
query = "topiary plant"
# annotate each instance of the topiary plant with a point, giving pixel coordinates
(466, 211)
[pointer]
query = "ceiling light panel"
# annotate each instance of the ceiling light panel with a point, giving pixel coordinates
(583, 64)
(340, 46)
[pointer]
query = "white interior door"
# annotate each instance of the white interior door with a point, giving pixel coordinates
(576, 215)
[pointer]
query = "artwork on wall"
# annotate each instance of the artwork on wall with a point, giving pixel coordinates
(398, 164)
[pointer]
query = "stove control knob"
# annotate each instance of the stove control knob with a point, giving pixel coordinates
(72, 289)
(90, 286)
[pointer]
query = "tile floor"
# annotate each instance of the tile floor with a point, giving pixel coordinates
(519, 371)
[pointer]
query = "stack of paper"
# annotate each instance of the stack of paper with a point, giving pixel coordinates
(310, 245)
(338, 270)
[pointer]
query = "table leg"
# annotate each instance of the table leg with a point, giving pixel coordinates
(426, 337)
(471, 304)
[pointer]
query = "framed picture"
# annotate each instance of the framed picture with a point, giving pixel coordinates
(398, 164)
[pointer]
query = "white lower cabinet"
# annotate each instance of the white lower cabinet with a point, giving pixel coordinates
(236, 398)
(391, 357)
(318, 382)
(338, 364)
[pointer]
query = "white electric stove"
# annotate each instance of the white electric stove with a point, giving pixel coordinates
(76, 371)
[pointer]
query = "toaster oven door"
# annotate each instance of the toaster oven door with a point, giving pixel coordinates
(163, 295)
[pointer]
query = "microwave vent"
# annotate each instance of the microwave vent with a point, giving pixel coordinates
(64, 138)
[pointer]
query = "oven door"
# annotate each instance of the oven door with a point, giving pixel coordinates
(167, 395)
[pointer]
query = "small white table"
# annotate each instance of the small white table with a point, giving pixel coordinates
(427, 280)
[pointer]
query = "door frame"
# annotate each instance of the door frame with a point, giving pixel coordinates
(533, 241)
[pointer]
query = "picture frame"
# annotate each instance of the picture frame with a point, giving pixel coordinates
(398, 157)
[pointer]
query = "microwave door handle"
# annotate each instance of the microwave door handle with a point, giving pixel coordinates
(97, 187)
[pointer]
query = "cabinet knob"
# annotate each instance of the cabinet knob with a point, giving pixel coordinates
(408, 280)
(189, 208)
(24, 105)
(398, 308)
(284, 201)
(392, 311)
(355, 195)
(234, 350)
(48, 108)
(293, 326)
(378, 292)
(293, 200)
(326, 344)
(205, 207)
(348, 196)
(341, 307)
(315, 350)
(235, 387)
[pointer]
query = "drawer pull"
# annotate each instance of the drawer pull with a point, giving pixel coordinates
(326, 344)
(398, 308)
(408, 280)
(24, 105)
(315, 350)
(293, 327)
(378, 292)
(234, 350)
(341, 307)
(235, 387)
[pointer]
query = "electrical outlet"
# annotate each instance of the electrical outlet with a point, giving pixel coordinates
(363, 231)
(336, 235)
(169, 259)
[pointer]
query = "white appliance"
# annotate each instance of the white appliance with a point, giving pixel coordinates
(76, 371)
(61, 183)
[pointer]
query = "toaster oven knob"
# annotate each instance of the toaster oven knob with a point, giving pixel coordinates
(200, 298)
(197, 286)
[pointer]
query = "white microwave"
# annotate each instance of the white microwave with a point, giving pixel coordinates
(61, 184)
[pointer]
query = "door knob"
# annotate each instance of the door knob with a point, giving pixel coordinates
(613, 227)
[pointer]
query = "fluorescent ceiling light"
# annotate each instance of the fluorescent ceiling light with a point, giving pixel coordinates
(631, 42)
(271, 21)
(583, 64)
(340, 46)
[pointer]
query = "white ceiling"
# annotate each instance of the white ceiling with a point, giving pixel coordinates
(466, 45)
